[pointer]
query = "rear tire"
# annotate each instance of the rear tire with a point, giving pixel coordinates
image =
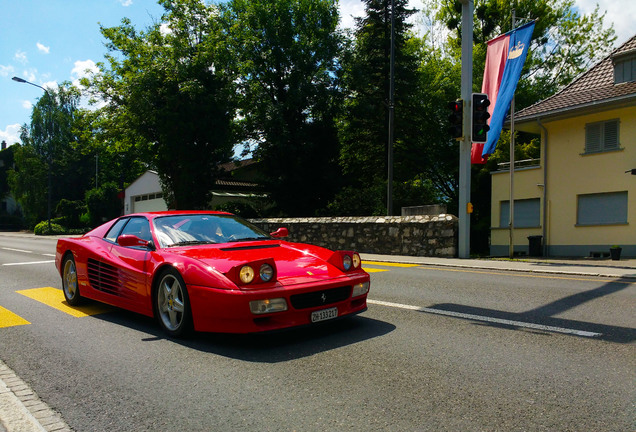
(172, 304)
(69, 281)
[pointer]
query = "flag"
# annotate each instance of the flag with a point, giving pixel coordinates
(505, 57)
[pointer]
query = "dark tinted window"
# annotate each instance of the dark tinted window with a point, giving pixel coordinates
(139, 227)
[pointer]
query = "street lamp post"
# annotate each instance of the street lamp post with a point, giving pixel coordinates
(49, 156)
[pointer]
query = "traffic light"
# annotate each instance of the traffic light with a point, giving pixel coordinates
(456, 118)
(479, 117)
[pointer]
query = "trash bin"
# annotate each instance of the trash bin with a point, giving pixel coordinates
(535, 247)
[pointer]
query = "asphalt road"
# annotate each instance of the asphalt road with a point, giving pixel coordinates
(438, 350)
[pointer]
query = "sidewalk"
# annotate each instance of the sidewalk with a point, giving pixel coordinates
(599, 267)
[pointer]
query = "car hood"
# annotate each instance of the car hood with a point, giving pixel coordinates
(295, 263)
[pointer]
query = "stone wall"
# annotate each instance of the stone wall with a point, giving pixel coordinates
(390, 235)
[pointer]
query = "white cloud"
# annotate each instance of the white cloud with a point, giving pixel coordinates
(50, 85)
(126, 3)
(621, 13)
(29, 74)
(83, 68)
(42, 48)
(6, 70)
(21, 57)
(11, 134)
(26, 104)
(348, 10)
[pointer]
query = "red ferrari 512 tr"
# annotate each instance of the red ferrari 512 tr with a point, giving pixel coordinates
(211, 272)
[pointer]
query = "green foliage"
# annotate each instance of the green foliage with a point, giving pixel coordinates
(103, 203)
(565, 43)
(42, 228)
(286, 53)
(70, 212)
(240, 208)
(171, 98)
(28, 183)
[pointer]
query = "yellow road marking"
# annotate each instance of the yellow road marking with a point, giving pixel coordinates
(389, 264)
(9, 319)
(55, 298)
(374, 270)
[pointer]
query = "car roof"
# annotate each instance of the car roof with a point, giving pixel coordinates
(152, 215)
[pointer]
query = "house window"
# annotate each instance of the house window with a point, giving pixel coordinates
(624, 70)
(601, 136)
(527, 213)
(602, 209)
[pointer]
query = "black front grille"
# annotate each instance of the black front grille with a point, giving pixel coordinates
(103, 277)
(320, 298)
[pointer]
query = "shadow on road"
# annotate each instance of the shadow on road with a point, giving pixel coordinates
(545, 315)
(273, 347)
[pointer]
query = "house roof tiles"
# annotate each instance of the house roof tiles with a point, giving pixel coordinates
(593, 88)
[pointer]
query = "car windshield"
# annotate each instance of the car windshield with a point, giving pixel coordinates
(196, 229)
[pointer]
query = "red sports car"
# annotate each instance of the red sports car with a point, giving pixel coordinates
(210, 271)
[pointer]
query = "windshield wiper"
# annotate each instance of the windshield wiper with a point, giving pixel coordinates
(191, 242)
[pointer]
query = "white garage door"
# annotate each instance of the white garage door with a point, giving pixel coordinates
(149, 203)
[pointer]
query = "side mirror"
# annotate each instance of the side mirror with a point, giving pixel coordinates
(280, 233)
(129, 240)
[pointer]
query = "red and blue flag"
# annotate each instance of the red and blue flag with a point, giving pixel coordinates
(505, 57)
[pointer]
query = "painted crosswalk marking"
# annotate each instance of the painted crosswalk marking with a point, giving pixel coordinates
(9, 319)
(54, 298)
(365, 265)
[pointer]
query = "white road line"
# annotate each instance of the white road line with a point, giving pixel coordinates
(17, 250)
(488, 319)
(50, 255)
(30, 262)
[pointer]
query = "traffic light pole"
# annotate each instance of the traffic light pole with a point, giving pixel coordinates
(465, 143)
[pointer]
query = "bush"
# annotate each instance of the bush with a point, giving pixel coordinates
(43, 229)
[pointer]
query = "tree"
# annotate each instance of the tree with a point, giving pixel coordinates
(47, 159)
(286, 54)
(564, 43)
(169, 98)
(364, 126)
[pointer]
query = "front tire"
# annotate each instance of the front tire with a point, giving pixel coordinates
(69, 281)
(172, 304)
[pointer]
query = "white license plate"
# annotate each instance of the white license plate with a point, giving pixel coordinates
(325, 314)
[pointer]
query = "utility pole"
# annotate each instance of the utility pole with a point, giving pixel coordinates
(389, 185)
(465, 144)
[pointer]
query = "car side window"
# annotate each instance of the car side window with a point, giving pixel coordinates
(139, 227)
(113, 232)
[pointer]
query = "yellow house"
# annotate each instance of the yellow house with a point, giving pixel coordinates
(580, 197)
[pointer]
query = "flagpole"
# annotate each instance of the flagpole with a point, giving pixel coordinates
(511, 220)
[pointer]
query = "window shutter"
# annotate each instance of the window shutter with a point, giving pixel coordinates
(593, 138)
(610, 136)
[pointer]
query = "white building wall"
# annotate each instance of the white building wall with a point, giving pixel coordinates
(144, 194)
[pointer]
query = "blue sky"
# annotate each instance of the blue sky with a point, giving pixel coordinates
(51, 41)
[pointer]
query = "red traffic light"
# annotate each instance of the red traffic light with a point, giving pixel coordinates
(456, 118)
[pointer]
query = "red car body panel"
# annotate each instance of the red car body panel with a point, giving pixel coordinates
(125, 277)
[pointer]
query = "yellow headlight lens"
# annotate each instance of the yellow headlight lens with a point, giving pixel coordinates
(356, 260)
(246, 274)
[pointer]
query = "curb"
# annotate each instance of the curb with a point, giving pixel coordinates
(21, 410)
